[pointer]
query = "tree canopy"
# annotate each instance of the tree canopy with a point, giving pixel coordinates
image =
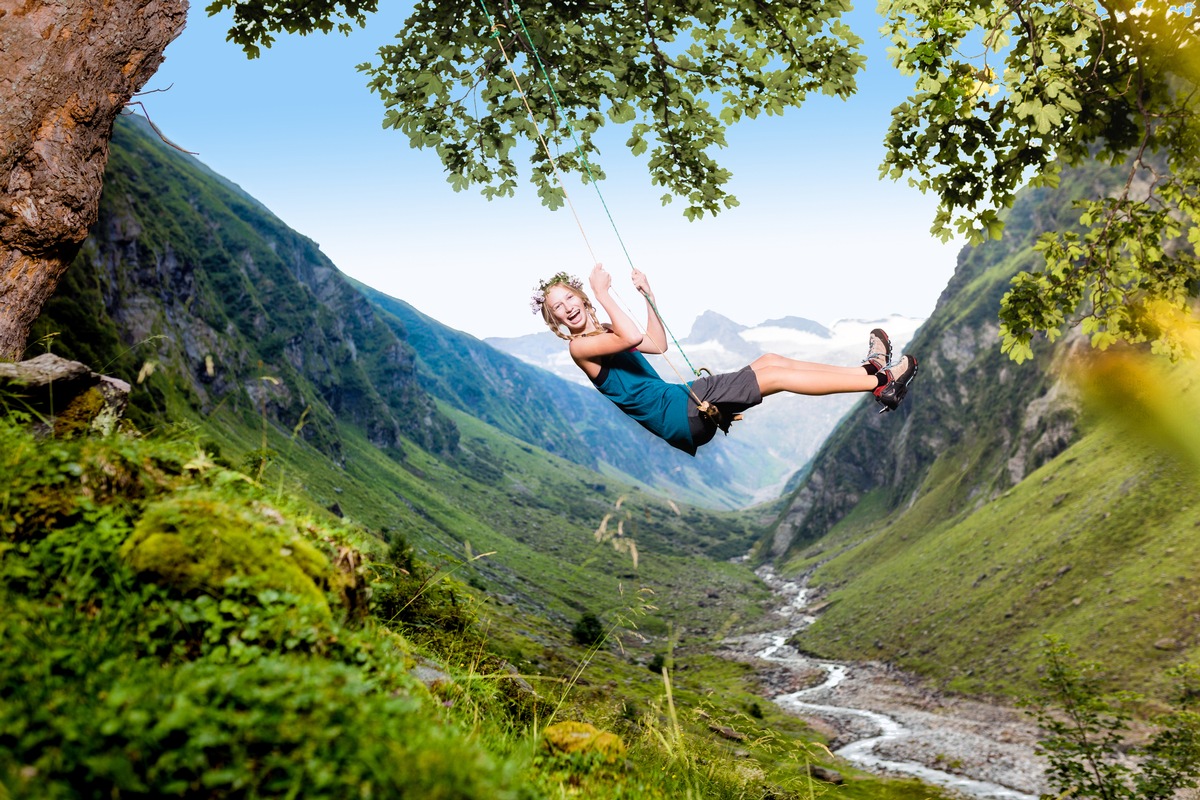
(1006, 94)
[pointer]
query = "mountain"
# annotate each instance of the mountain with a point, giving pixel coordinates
(196, 290)
(563, 418)
(712, 327)
(987, 512)
(191, 284)
(778, 437)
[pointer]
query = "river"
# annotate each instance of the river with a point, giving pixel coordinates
(885, 721)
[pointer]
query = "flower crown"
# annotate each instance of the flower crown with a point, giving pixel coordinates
(539, 292)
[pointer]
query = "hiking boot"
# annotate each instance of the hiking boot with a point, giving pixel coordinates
(898, 378)
(879, 352)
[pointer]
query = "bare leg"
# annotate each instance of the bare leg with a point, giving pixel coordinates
(776, 360)
(779, 374)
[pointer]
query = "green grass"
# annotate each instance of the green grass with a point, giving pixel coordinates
(1097, 547)
(152, 682)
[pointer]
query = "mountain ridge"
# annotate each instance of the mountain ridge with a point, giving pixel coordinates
(232, 309)
(990, 511)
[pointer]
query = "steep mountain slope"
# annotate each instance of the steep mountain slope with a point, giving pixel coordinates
(192, 289)
(1097, 547)
(561, 417)
(952, 535)
(231, 308)
(971, 412)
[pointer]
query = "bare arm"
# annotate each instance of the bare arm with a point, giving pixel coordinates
(655, 340)
(622, 333)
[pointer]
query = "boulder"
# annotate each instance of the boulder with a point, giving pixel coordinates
(727, 732)
(65, 397)
(825, 774)
(582, 738)
(431, 674)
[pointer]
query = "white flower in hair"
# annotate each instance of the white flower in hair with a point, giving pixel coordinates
(539, 292)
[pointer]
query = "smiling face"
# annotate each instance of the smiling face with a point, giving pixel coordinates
(568, 307)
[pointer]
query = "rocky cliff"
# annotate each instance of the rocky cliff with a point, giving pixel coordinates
(971, 412)
(203, 298)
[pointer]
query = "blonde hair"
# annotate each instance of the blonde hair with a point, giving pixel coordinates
(548, 314)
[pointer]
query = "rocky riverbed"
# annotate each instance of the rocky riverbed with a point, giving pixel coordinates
(886, 721)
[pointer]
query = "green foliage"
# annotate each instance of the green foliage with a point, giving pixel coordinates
(254, 23)
(1134, 263)
(1085, 734)
(216, 674)
(419, 598)
(275, 727)
(1008, 94)
(676, 76)
(588, 630)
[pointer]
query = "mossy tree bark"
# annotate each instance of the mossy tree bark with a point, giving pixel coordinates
(67, 68)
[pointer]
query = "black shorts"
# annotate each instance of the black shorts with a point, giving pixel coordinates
(731, 392)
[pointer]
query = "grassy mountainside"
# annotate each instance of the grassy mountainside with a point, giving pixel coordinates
(951, 536)
(971, 412)
(1098, 547)
(305, 576)
(558, 416)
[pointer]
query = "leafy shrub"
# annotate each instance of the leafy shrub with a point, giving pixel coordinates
(589, 630)
(1085, 734)
(415, 598)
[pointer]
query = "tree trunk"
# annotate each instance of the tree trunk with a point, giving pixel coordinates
(67, 68)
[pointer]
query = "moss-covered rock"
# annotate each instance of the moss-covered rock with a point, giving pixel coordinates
(582, 738)
(198, 542)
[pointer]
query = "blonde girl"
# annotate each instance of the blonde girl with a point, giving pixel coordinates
(689, 415)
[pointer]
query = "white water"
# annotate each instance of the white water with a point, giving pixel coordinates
(861, 752)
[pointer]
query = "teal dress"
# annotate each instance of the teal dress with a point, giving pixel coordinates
(662, 408)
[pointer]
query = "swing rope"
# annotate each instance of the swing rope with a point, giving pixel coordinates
(592, 178)
(494, 27)
(705, 408)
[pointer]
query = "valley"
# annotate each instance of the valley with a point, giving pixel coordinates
(501, 549)
(885, 721)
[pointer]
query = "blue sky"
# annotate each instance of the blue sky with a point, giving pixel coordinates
(817, 234)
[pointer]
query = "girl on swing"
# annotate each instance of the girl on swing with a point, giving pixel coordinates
(689, 415)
